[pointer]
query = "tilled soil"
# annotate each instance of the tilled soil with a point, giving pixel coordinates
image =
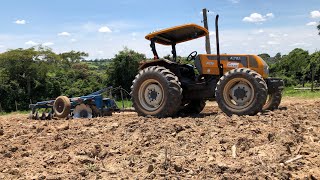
(283, 144)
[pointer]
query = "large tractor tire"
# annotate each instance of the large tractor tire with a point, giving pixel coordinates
(62, 107)
(273, 100)
(242, 92)
(156, 91)
(193, 107)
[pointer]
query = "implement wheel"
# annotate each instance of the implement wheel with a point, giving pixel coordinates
(242, 92)
(62, 107)
(156, 92)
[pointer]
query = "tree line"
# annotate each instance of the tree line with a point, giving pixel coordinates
(296, 67)
(38, 73)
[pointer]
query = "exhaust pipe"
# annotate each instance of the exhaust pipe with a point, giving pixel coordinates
(220, 66)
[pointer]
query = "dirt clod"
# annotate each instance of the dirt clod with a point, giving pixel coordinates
(126, 146)
(150, 168)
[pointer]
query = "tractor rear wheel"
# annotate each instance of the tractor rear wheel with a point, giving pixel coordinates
(242, 92)
(273, 101)
(194, 107)
(156, 91)
(62, 107)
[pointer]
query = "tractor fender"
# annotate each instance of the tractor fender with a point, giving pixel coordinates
(172, 66)
(157, 62)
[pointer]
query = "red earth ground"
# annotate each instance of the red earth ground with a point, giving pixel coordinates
(283, 144)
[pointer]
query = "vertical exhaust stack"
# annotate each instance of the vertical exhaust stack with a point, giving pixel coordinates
(218, 47)
(205, 23)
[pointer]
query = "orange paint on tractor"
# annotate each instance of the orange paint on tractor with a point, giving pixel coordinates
(209, 63)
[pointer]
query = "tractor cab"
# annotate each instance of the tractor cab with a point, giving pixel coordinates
(174, 35)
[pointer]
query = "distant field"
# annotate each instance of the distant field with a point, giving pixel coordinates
(290, 92)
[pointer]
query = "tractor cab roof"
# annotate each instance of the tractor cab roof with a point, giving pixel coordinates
(177, 34)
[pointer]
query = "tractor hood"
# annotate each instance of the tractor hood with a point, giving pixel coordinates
(177, 34)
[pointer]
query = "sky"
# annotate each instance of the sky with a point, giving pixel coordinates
(103, 28)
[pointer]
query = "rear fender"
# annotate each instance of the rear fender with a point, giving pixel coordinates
(172, 66)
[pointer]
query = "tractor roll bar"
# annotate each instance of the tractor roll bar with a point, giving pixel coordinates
(153, 48)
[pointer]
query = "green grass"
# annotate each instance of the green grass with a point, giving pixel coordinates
(127, 104)
(15, 112)
(307, 94)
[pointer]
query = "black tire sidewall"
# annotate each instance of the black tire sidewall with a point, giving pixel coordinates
(258, 96)
(162, 81)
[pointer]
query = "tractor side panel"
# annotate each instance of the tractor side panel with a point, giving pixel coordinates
(209, 63)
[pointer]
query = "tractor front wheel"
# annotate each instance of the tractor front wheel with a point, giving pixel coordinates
(156, 91)
(242, 92)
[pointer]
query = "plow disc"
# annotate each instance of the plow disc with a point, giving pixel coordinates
(82, 111)
(45, 115)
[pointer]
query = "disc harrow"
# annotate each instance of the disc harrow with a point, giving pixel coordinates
(89, 106)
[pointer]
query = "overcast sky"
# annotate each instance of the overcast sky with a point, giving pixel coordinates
(102, 28)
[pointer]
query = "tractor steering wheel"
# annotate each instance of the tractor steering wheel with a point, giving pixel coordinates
(192, 56)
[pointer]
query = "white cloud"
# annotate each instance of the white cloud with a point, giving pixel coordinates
(312, 23)
(258, 31)
(73, 40)
(212, 33)
(21, 22)
(300, 44)
(273, 35)
(105, 29)
(1, 46)
(285, 35)
(257, 18)
(31, 43)
(315, 14)
(273, 43)
(48, 44)
(270, 15)
(64, 34)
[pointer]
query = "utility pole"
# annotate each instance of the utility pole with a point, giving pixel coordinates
(312, 75)
(205, 23)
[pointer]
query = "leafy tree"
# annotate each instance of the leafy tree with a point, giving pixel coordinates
(23, 75)
(264, 56)
(277, 57)
(71, 57)
(124, 67)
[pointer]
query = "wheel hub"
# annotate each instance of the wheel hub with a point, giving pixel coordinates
(241, 93)
(151, 95)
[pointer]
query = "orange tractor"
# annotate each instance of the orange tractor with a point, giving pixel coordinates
(239, 83)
